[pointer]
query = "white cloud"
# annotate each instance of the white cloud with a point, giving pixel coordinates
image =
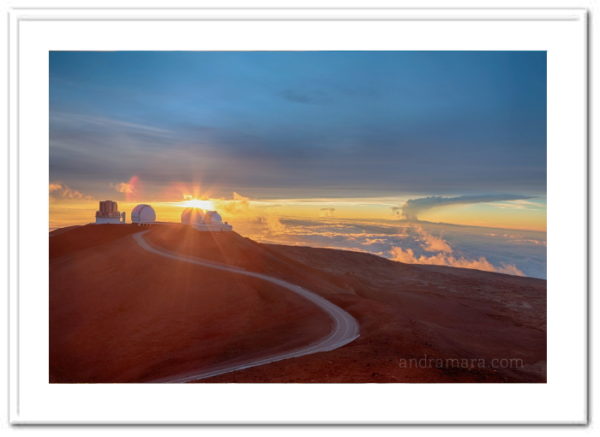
(59, 190)
(442, 259)
(124, 187)
(432, 243)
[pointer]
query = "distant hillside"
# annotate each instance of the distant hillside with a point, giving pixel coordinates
(121, 314)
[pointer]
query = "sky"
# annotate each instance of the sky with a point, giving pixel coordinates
(439, 137)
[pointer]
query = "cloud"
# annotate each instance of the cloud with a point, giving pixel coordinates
(237, 205)
(413, 207)
(432, 243)
(442, 259)
(131, 189)
(273, 224)
(518, 204)
(256, 101)
(327, 212)
(372, 241)
(59, 190)
(124, 187)
(424, 243)
(80, 120)
(241, 199)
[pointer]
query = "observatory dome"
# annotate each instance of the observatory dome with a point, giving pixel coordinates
(143, 214)
(204, 220)
(192, 216)
(212, 218)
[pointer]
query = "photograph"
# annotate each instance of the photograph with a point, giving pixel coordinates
(297, 216)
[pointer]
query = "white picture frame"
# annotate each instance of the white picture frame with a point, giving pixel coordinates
(34, 32)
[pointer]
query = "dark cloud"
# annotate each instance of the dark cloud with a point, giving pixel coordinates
(413, 207)
(327, 212)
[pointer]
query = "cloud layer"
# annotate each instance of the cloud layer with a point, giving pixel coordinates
(414, 207)
(503, 251)
(337, 124)
(442, 259)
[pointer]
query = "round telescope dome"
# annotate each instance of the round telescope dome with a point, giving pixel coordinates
(192, 216)
(143, 214)
(213, 218)
(201, 220)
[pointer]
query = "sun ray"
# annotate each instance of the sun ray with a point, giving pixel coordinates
(205, 204)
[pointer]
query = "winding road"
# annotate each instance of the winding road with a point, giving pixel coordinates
(345, 327)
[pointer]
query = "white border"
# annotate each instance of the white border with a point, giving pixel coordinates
(562, 33)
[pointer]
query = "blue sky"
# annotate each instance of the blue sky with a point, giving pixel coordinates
(301, 123)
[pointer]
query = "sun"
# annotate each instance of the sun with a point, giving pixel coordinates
(198, 203)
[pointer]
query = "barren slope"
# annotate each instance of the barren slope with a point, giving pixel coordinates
(179, 316)
(121, 314)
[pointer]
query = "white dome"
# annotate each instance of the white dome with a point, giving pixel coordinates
(209, 221)
(192, 216)
(143, 214)
(213, 218)
(197, 216)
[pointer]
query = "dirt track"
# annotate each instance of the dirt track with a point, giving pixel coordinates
(344, 329)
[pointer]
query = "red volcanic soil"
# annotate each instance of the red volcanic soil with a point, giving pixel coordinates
(121, 314)
(420, 324)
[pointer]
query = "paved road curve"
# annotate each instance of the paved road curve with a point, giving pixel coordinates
(345, 327)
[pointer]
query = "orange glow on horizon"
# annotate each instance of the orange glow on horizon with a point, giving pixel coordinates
(205, 204)
(236, 208)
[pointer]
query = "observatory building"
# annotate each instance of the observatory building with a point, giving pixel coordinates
(143, 214)
(108, 212)
(204, 220)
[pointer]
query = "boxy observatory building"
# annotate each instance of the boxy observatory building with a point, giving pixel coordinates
(204, 220)
(108, 212)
